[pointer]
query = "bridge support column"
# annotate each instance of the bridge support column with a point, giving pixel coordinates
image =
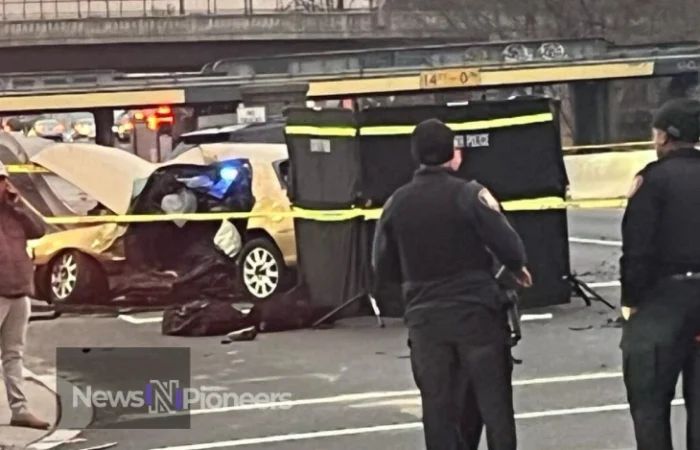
(104, 120)
(591, 111)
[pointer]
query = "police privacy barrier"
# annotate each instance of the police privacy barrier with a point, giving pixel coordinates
(342, 159)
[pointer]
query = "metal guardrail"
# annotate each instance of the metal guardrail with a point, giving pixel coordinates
(19, 10)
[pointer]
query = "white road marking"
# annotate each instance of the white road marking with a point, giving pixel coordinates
(143, 320)
(603, 284)
(534, 317)
(159, 319)
(604, 242)
(139, 320)
(358, 397)
(385, 428)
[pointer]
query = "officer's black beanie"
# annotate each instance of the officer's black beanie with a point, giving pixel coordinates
(432, 143)
(680, 118)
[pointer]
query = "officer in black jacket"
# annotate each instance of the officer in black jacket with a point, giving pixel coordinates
(660, 278)
(435, 238)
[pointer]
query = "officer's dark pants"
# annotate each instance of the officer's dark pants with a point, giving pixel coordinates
(446, 373)
(472, 424)
(658, 345)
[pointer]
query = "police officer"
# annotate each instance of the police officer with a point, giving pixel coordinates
(436, 237)
(660, 279)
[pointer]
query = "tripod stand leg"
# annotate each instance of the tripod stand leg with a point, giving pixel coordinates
(587, 292)
(335, 311)
(377, 313)
(331, 314)
(595, 295)
(579, 291)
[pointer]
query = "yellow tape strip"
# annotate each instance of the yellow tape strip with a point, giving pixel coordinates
(387, 130)
(321, 131)
(330, 215)
(25, 168)
(463, 126)
(645, 144)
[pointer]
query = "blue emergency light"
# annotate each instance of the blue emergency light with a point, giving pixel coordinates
(228, 173)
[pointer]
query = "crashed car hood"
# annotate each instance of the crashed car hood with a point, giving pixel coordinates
(106, 174)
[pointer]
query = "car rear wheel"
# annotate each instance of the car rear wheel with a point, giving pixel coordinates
(262, 268)
(75, 277)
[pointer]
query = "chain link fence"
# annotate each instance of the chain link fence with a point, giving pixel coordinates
(13, 10)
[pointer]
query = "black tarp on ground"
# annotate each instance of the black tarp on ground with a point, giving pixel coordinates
(326, 168)
(518, 162)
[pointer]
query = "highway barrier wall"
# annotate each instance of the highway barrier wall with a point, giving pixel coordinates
(604, 175)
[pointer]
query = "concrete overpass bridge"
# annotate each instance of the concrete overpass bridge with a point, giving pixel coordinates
(183, 35)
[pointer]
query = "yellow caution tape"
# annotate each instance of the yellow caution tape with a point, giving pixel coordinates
(388, 130)
(25, 168)
(616, 145)
(542, 204)
(321, 131)
(385, 130)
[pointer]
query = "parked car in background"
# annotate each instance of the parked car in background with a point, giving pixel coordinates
(123, 127)
(268, 259)
(48, 129)
(84, 129)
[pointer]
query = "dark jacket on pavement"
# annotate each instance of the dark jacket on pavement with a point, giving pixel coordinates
(17, 225)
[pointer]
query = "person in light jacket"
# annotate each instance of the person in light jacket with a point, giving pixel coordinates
(18, 223)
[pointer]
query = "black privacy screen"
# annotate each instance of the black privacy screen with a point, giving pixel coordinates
(360, 158)
(324, 167)
(509, 147)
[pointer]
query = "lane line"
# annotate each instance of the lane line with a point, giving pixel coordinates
(604, 284)
(139, 320)
(357, 397)
(535, 317)
(143, 320)
(604, 242)
(386, 428)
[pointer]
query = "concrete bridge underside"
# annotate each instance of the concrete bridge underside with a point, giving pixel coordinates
(173, 56)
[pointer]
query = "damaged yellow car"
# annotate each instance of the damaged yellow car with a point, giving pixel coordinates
(268, 259)
(78, 264)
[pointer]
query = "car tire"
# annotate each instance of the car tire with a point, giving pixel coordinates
(262, 269)
(74, 277)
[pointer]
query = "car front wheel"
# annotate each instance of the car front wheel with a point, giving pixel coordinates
(262, 268)
(75, 277)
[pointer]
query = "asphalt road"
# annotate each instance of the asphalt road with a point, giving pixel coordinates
(351, 386)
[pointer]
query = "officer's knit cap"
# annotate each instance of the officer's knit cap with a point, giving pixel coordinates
(680, 118)
(432, 143)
